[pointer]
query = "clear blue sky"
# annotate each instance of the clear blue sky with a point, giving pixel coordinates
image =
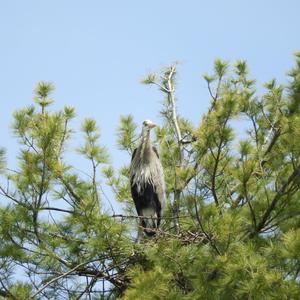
(96, 52)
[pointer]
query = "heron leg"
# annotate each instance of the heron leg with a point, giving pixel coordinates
(139, 233)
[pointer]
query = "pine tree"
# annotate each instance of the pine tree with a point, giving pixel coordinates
(231, 227)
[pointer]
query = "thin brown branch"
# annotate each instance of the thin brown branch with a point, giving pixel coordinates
(142, 217)
(59, 277)
(212, 243)
(57, 209)
(7, 195)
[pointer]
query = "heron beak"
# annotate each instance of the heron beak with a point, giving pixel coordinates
(152, 125)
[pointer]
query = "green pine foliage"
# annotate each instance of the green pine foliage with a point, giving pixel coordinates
(231, 226)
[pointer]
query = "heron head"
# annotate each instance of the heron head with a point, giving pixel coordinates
(147, 124)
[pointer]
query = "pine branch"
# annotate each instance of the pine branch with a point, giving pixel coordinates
(275, 200)
(261, 163)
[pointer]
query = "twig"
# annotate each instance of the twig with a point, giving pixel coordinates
(142, 217)
(61, 276)
(57, 209)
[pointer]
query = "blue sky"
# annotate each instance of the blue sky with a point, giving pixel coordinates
(96, 53)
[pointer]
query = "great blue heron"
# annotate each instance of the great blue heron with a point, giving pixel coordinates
(147, 182)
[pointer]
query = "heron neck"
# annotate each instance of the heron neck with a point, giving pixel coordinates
(145, 143)
(145, 136)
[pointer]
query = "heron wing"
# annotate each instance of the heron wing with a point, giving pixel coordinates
(156, 152)
(147, 200)
(133, 154)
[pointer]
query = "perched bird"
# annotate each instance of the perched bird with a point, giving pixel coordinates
(147, 182)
